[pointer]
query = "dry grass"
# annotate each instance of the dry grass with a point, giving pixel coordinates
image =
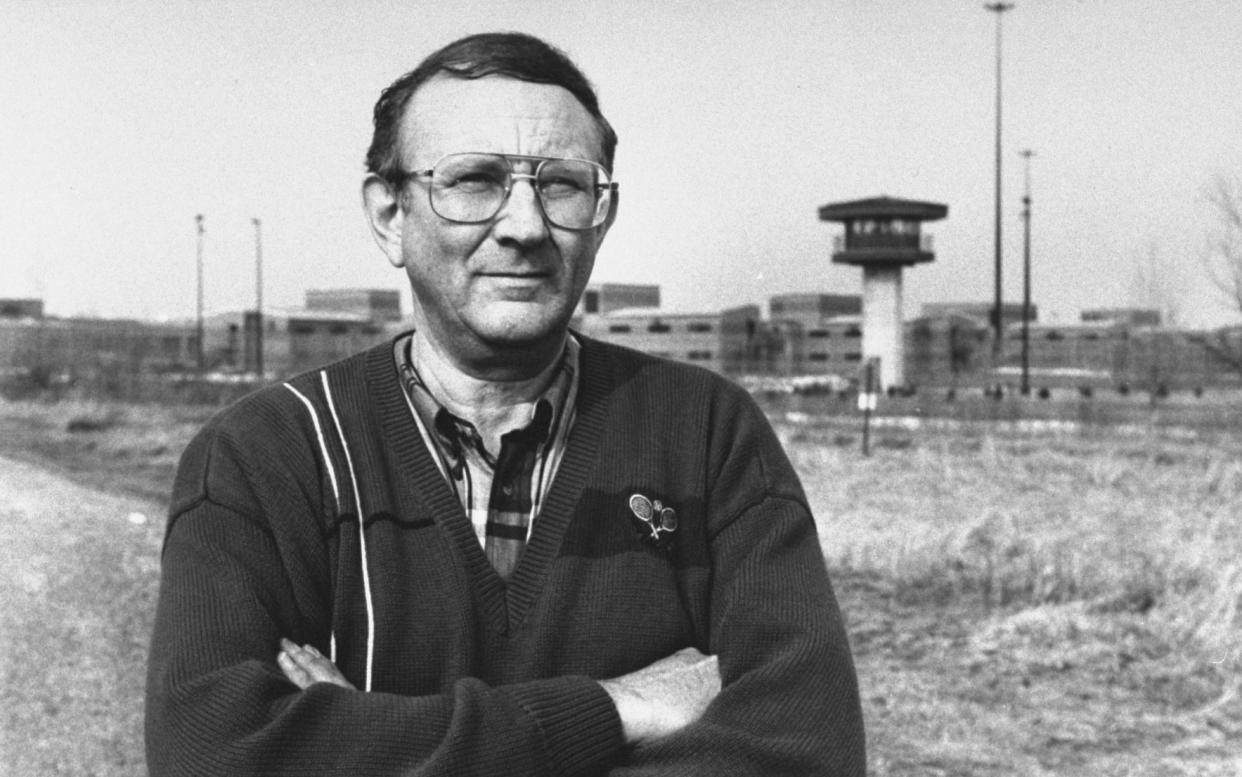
(1077, 596)
(1119, 524)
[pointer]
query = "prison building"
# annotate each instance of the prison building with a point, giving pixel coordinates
(722, 342)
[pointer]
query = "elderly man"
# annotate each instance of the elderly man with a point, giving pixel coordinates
(494, 546)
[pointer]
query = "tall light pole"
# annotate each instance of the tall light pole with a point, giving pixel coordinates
(998, 339)
(258, 296)
(1026, 276)
(198, 332)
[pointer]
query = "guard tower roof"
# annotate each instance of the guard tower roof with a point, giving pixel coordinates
(883, 208)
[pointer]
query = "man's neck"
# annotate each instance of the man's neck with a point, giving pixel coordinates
(494, 405)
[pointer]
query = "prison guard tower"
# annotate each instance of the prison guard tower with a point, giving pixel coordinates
(882, 236)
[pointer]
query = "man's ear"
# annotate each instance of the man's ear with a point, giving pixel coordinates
(382, 204)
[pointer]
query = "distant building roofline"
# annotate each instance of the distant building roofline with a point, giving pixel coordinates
(641, 312)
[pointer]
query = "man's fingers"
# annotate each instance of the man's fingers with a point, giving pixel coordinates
(293, 671)
(304, 666)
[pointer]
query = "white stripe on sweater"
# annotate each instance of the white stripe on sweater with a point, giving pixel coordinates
(323, 446)
(336, 492)
(362, 537)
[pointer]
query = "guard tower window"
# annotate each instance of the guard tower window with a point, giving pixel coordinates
(590, 303)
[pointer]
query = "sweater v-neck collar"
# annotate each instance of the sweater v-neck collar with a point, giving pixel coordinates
(504, 604)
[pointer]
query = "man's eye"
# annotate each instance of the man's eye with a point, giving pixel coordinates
(477, 181)
(562, 187)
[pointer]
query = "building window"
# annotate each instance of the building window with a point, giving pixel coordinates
(817, 333)
(591, 303)
(853, 357)
(658, 327)
(1054, 335)
(338, 329)
(817, 356)
(853, 332)
(698, 326)
(618, 329)
(700, 355)
(300, 328)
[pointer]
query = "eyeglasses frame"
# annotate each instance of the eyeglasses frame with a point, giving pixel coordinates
(402, 176)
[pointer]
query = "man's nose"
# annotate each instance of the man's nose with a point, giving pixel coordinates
(521, 218)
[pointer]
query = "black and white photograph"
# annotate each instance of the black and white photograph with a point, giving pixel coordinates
(644, 389)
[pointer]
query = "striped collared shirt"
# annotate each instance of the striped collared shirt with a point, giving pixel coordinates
(501, 492)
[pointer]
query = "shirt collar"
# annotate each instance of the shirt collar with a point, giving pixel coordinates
(455, 434)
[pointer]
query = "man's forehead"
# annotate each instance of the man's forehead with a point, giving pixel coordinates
(497, 113)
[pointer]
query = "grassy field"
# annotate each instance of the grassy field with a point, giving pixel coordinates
(1022, 599)
(1055, 601)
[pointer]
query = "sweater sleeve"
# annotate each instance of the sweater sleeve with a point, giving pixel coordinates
(789, 702)
(245, 563)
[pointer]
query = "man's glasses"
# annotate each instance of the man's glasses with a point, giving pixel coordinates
(472, 188)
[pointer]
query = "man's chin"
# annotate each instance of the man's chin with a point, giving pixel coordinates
(520, 339)
(521, 324)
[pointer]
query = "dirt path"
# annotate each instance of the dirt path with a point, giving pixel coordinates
(77, 579)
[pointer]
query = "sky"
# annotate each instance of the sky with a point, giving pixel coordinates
(120, 121)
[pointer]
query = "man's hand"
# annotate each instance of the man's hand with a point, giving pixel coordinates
(666, 696)
(305, 666)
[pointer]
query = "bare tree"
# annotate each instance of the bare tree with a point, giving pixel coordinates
(1224, 251)
(1223, 259)
(1145, 359)
(1158, 285)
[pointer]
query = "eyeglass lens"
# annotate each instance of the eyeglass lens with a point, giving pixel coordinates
(574, 193)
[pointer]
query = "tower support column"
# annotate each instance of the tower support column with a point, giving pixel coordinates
(882, 329)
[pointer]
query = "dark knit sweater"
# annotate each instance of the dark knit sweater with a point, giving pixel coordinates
(470, 674)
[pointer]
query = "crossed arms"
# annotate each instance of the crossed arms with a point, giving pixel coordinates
(243, 569)
(653, 702)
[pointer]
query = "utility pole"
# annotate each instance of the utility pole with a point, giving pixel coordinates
(258, 296)
(1026, 276)
(201, 354)
(998, 339)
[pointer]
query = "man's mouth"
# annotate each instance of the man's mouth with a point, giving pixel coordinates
(516, 276)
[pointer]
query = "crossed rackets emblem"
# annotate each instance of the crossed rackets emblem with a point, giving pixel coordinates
(658, 518)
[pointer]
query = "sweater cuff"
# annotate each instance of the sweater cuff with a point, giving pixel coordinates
(580, 725)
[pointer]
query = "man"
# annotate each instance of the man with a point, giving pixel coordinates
(494, 546)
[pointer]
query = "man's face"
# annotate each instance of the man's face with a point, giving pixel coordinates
(512, 281)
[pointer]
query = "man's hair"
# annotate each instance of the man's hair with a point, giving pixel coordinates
(511, 54)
